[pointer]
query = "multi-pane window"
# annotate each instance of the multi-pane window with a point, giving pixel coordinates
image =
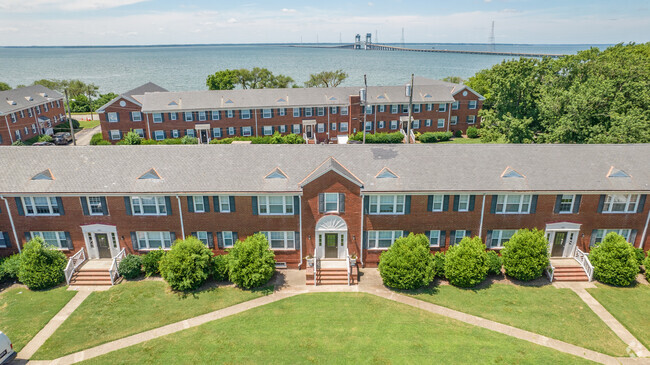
(599, 234)
(115, 134)
(136, 116)
(46, 108)
(154, 240)
(53, 238)
(458, 236)
(29, 111)
(427, 123)
(368, 109)
(471, 119)
(455, 105)
(442, 107)
(624, 203)
(283, 128)
(190, 132)
(38, 109)
(386, 204)
(513, 204)
(393, 109)
(216, 132)
(245, 114)
(175, 133)
(275, 204)
(231, 131)
(344, 125)
(148, 205)
(416, 124)
(230, 113)
(95, 205)
(309, 112)
(139, 132)
(189, 117)
(159, 135)
(296, 112)
(416, 108)
(202, 116)
(453, 120)
(320, 127)
(331, 202)
(282, 112)
(112, 117)
(382, 239)
(157, 118)
(13, 118)
(344, 110)
(333, 126)
(247, 131)
(368, 126)
(472, 104)
(566, 203)
(441, 123)
(266, 113)
(267, 130)
(33, 128)
(202, 236)
(320, 111)
(224, 204)
(295, 128)
(393, 124)
(382, 124)
(173, 116)
(199, 207)
(405, 108)
(429, 107)
(18, 137)
(434, 238)
(40, 205)
(215, 115)
(281, 240)
(333, 110)
(437, 202)
(463, 203)
(499, 237)
(4, 243)
(228, 239)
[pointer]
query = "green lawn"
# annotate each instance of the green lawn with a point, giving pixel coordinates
(630, 306)
(131, 308)
(336, 328)
(24, 312)
(552, 312)
(87, 124)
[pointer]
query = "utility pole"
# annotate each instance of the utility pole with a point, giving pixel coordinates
(409, 91)
(74, 140)
(363, 97)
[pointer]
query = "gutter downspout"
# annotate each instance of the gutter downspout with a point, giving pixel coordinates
(449, 118)
(328, 123)
(180, 211)
(148, 127)
(13, 227)
(645, 231)
(255, 112)
(480, 229)
(11, 138)
(361, 235)
(300, 220)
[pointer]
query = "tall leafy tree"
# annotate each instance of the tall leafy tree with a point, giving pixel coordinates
(326, 79)
(4, 86)
(222, 80)
(257, 78)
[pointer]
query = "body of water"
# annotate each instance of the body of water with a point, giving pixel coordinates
(118, 69)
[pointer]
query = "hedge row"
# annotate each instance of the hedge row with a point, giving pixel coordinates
(396, 137)
(433, 137)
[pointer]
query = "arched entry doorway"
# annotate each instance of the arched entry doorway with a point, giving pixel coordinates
(331, 237)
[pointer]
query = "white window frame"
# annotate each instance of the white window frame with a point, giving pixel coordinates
(31, 208)
(287, 238)
(434, 234)
(158, 135)
(245, 114)
(136, 116)
(175, 133)
(264, 204)
(95, 206)
(139, 132)
(343, 126)
(112, 117)
(282, 128)
(202, 236)
(145, 237)
(429, 107)
(295, 128)
(602, 232)
(427, 123)
(463, 202)
(565, 199)
(309, 112)
(3, 243)
(333, 126)
(190, 132)
(231, 131)
(228, 239)
(442, 108)
(455, 105)
(138, 205)
(230, 113)
(368, 109)
(61, 240)
(458, 237)
(523, 202)
(331, 200)
(438, 202)
(320, 111)
(282, 112)
(393, 125)
(266, 113)
(202, 116)
(416, 124)
(501, 236)
(375, 236)
(198, 202)
(267, 130)
(173, 116)
(441, 122)
(320, 127)
(394, 108)
(377, 201)
(216, 132)
(417, 108)
(453, 120)
(472, 104)
(157, 118)
(224, 203)
(296, 112)
(334, 110)
(471, 119)
(115, 134)
(188, 116)
(344, 110)
(629, 205)
(246, 131)
(215, 115)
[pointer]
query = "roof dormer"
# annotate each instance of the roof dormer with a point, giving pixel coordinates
(386, 173)
(150, 175)
(615, 172)
(509, 172)
(276, 174)
(44, 175)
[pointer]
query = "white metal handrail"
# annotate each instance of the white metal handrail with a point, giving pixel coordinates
(304, 137)
(550, 270)
(316, 264)
(113, 271)
(583, 260)
(412, 136)
(348, 264)
(73, 263)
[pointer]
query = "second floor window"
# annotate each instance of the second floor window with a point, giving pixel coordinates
(455, 105)
(202, 116)
(513, 204)
(624, 203)
(112, 117)
(266, 113)
(157, 118)
(386, 204)
(472, 104)
(148, 205)
(275, 205)
(463, 203)
(189, 117)
(95, 205)
(136, 116)
(245, 114)
(344, 110)
(41, 205)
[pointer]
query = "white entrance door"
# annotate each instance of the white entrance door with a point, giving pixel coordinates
(562, 238)
(331, 237)
(101, 241)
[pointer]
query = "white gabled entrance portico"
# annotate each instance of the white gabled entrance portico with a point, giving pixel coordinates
(331, 237)
(101, 241)
(562, 238)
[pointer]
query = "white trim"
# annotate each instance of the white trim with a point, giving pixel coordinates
(572, 230)
(90, 231)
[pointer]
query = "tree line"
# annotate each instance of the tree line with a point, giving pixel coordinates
(262, 78)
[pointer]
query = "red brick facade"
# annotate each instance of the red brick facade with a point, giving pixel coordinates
(24, 124)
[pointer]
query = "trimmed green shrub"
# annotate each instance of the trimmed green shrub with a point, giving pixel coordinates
(41, 266)
(494, 263)
(395, 137)
(458, 133)
(187, 265)
(189, 140)
(525, 256)
(466, 264)
(17, 143)
(432, 137)
(104, 143)
(472, 132)
(614, 261)
(220, 268)
(95, 139)
(151, 262)
(130, 267)
(44, 138)
(131, 138)
(149, 142)
(9, 267)
(640, 255)
(250, 262)
(276, 138)
(408, 263)
(646, 263)
(439, 264)
(172, 141)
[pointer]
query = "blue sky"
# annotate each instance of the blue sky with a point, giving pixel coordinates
(130, 22)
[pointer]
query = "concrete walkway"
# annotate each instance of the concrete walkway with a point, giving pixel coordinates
(52, 325)
(83, 136)
(615, 325)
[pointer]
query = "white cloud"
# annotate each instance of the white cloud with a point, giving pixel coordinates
(370, 3)
(18, 6)
(285, 10)
(232, 20)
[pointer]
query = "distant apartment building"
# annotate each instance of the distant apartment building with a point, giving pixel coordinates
(318, 114)
(29, 111)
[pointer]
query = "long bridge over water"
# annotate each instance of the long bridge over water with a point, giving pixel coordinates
(384, 47)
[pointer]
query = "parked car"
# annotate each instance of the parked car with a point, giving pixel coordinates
(7, 352)
(62, 138)
(43, 144)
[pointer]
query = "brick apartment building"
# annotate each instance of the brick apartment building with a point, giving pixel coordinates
(29, 111)
(319, 114)
(342, 199)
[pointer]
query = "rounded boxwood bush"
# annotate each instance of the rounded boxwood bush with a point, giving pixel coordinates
(9, 267)
(408, 263)
(220, 268)
(187, 265)
(458, 133)
(494, 263)
(466, 264)
(250, 262)
(640, 255)
(439, 264)
(646, 263)
(525, 255)
(151, 262)
(472, 132)
(614, 261)
(130, 267)
(41, 266)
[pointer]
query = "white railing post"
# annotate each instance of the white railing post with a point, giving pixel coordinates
(316, 264)
(348, 264)
(73, 263)
(113, 271)
(583, 260)
(550, 270)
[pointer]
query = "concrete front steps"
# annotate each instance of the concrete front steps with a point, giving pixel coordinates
(90, 277)
(332, 276)
(570, 273)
